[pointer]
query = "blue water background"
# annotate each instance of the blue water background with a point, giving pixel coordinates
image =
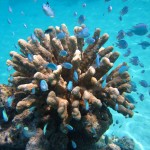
(97, 15)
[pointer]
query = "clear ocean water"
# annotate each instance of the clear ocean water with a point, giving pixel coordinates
(30, 12)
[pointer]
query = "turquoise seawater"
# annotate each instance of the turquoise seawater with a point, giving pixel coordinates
(30, 12)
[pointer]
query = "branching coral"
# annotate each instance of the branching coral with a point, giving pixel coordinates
(74, 105)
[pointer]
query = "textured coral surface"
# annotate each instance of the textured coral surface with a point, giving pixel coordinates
(70, 110)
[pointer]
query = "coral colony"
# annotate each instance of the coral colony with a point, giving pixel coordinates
(59, 94)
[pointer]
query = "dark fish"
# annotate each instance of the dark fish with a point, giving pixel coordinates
(121, 35)
(144, 44)
(142, 71)
(107, 0)
(134, 60)
(48, 31)
(127, 53)
(144, 83)
(117, 122)
(122, 44)
(141, 97)
(136, 112)
(133, 86)
(120, 18)
(124, 10)
(130, 99)
(81, 19)
(106, 139)
(140, 29)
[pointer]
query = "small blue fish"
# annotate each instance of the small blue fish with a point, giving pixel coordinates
(75, 13)
(48, 10)
(134, 60)
(104, 81)
(63, 53)
(10, 100)
(30, 57)
(123, 68)
(106, 139)
(43, 85)
(75, 76)
(9, 21)
(74, 145)
(32, 108)
(33, 37)
(127, 53)
(97, 60)
(51, 66)
(81, 19)
(144, 44)
(18, 126)
(69, 127)
(121, 35)
(116, 107)
(84, 5)
(84, 33)
(16, 46)
(143, 71)
(144, 83)
(140, 29)
(5, 117)
(10, 9)
(90, 40)
(25, 25)
(61, 35)
(86, 103)
(130, 99)
(33, 91)
(70, 86)
(122, 44)
(124, 11)
(27, 133)
(11, 78)
(133, 86)
(109, 8)
(44, 129)
(67, 65)
(10, 67)
(141, 97)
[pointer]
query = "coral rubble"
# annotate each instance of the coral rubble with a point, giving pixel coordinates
(64, 93)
